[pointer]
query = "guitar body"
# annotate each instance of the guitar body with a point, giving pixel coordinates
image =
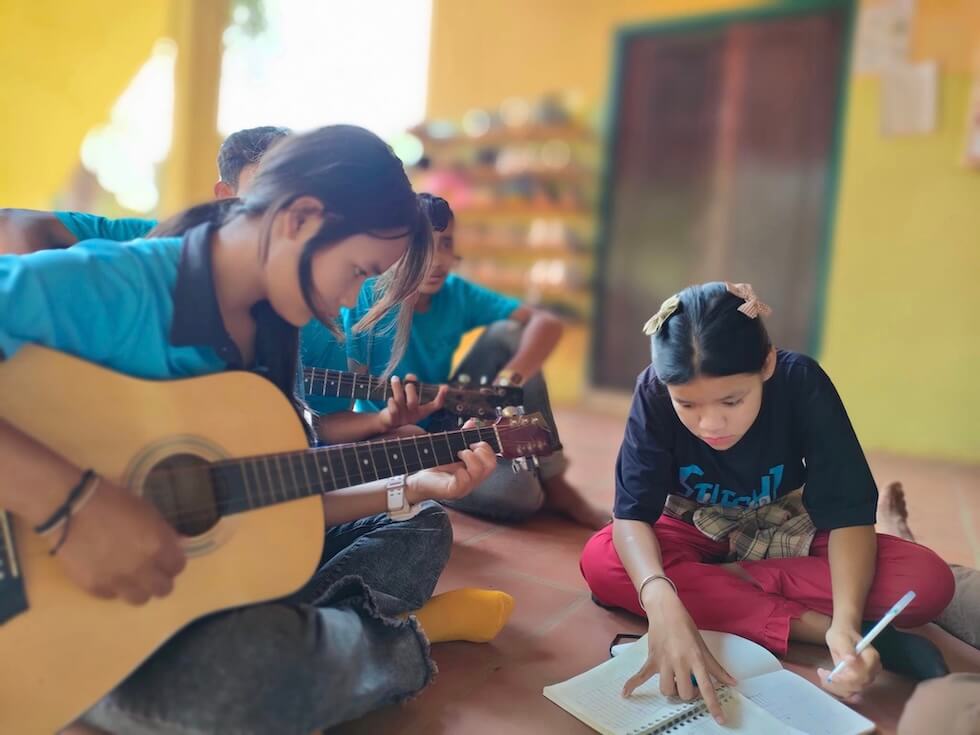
(69, 648)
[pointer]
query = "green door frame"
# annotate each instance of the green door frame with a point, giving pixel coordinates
(775, 10)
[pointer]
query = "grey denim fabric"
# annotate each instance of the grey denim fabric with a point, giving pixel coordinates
(506, 496)
(331, 653)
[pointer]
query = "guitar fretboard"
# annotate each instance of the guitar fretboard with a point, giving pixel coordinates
(256, 482)
(341, 384)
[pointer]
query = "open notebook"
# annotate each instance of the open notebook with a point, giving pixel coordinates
(767, 701)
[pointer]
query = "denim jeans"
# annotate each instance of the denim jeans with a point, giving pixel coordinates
(505, 495)
(328, 654)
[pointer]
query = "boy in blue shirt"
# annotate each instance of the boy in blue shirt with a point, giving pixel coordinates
(511, 351)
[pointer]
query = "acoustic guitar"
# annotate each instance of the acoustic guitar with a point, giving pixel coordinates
(225, 460)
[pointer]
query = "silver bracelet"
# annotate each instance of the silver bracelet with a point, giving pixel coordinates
(648, 580)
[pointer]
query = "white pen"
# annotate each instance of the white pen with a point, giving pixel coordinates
(873, 633)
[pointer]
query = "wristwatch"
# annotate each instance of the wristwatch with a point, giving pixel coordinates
(509, 377)
(399, 509)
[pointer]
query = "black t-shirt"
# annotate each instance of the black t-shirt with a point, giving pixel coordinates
(802, 437)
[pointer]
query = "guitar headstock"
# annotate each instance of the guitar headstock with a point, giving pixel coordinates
(522, 436)
(482, 401)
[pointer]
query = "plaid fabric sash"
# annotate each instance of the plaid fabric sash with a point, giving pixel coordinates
(778, 530)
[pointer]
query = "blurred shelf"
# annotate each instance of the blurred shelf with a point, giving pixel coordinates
(519, 285)
(523, 210)
(498, 136)
(502, 210)
(489, 174)
(478, 250)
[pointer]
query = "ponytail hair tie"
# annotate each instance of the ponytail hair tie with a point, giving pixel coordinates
(752, 307)
(667, 308)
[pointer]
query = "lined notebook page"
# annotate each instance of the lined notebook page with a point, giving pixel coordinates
(595, 697)
(796, 702)
(741, 716)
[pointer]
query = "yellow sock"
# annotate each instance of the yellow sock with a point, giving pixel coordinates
(465, 615)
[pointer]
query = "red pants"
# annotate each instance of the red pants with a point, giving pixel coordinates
(783, 589)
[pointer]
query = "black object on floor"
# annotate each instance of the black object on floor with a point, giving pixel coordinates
(908, 654)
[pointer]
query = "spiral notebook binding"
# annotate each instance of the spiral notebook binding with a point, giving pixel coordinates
(676, 723)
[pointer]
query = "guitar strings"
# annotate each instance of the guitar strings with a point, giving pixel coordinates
(345, 379)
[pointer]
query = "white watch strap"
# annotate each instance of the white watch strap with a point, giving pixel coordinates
(398, 507)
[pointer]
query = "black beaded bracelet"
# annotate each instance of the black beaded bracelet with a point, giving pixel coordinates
(63, 511)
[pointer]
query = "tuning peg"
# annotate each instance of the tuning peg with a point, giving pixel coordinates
(519, 465)
(484, 380)
(519, 410)
(535, 461)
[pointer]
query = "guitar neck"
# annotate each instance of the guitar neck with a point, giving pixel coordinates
(343, 384)
(255, 482)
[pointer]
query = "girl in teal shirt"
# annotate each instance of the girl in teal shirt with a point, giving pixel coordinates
(328, 209)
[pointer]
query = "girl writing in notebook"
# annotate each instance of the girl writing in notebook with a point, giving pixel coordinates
(744, 504)
(328, 209)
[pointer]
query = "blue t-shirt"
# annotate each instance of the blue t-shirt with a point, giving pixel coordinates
(148, 310)
(455, 309)
(802, 437)
(319, 348)
(86, 226)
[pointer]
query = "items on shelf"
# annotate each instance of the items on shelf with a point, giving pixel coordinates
(523, 181)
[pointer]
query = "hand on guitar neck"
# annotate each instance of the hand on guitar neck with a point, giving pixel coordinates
(454, 481)
(405, 404)
(408, 403)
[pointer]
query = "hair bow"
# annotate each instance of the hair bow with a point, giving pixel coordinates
(752, 307)
(667, 308)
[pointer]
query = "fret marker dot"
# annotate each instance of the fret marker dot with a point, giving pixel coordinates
(394, 456)
(324, 469)
(365, 462)
(425, 451)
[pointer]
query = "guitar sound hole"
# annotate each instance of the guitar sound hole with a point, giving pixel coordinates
(181, 488)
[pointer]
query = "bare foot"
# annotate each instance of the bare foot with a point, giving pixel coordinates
(893, 515)
(568, 501)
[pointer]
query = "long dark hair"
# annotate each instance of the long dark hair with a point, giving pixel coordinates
(705, 334)
(363, 188)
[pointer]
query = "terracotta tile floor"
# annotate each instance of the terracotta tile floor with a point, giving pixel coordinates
(556, 631)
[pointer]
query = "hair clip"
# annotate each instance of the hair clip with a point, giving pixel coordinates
(752, 307)
(667, 308)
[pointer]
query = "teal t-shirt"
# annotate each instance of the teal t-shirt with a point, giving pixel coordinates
(320, 348)
(86, 226)
(458, 307)
(106, 304)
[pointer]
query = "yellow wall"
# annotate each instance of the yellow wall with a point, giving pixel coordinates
(197, 27)
(62, 66)
(484, 51)
(902, 328)
(902, 332)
